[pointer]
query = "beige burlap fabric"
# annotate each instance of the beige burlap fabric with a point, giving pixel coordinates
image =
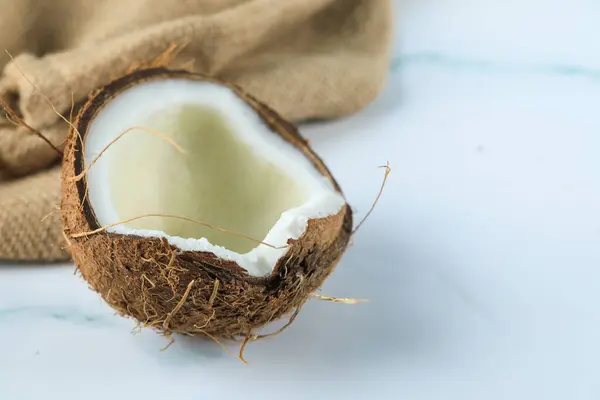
(306, 58)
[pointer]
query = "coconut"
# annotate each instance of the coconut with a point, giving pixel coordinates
(236, 231)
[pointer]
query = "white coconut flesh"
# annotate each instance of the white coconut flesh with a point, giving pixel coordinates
(235, 174)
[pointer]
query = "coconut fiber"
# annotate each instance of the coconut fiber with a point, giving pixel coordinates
(307, 59)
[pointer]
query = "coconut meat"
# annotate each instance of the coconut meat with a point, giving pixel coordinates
(235, 174)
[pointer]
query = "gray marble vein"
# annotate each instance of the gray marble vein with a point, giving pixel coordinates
(450, 61)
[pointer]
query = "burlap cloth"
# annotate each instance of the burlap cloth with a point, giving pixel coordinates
(306, 58)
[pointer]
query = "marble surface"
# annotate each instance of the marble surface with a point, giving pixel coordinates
(482, 260)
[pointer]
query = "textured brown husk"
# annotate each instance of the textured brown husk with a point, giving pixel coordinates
(193, 292)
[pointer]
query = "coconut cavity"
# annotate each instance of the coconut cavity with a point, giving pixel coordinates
(235, 174)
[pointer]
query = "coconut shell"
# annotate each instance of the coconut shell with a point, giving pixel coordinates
(193, 292)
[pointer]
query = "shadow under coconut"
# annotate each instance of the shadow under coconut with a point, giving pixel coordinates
(334, 339)
(330, 336)
(184, 349)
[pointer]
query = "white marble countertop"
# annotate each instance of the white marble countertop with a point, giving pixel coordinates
(482, 260)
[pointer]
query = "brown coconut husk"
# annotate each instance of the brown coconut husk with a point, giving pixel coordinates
(194, 293)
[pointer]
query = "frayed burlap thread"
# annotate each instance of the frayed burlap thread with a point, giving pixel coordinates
(308, 59)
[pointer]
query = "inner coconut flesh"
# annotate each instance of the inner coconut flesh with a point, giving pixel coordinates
(235, 174)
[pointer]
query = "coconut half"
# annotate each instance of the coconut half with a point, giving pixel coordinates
(236, 231)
